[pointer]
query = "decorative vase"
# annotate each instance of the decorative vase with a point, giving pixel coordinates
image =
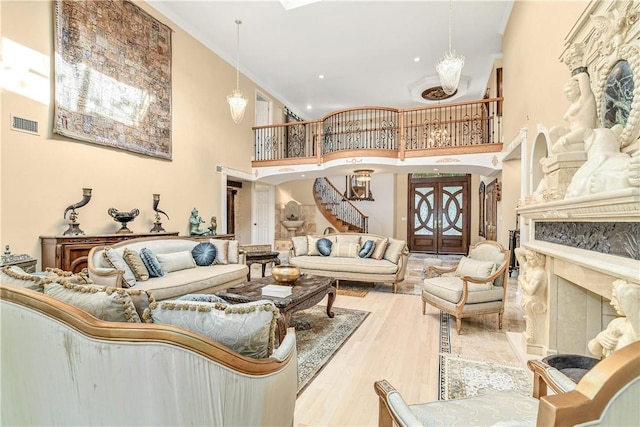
(285, 274)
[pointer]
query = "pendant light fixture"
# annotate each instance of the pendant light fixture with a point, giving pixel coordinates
(237, 102)
(450, 66)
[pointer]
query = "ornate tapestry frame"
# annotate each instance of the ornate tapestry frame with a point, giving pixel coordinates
(112, 76)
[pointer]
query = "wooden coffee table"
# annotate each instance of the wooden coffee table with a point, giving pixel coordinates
(308, 290)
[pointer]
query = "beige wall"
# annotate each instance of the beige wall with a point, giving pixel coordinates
(533, 80)
(42, 175)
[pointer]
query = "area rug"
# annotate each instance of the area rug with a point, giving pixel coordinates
(320, 337)
(361, 289)
(461, 377)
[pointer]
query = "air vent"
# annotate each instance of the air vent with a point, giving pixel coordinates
(24, 125)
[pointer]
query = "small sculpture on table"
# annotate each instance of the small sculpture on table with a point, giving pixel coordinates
(123, 218)
(157, 226)
(194, 224)
(214, 226)
(74, 227)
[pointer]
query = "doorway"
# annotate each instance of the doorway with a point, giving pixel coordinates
(439, 213)
(491, 207)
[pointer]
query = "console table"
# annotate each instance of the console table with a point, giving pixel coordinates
(70, 253)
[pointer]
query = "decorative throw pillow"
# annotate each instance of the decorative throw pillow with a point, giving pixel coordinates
(248, 329)
(313, 246)
(202, 298)
(474, 268)
(14, 275)
(151, 262)
(394, 250)
(300, 245)
(345, 250)
(176, 261)
(367, 249)
(115, 260)
(110, 304)
(222, 250)
(380, 248)
(53, 274)
(348, 238)
(204, 253)
(324, 246)
(234, 252)
(133, 260)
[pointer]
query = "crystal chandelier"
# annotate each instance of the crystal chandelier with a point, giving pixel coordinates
(450, 66)
(237, 102)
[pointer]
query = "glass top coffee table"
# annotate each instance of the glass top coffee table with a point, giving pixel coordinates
(307, 291)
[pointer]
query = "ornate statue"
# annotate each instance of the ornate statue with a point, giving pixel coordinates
(625, 298)
(606, 168)
(194, 222)
(533, 281)
(214, 226)
(74, 227)
(581, 115)
(157, 226)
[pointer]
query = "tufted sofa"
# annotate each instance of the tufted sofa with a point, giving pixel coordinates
(63, 366)
(386, 262)
(229, 268)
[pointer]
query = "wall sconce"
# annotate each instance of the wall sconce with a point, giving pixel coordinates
(358, 185)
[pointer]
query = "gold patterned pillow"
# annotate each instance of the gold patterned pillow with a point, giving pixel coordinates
(133, 260)
(381, 247)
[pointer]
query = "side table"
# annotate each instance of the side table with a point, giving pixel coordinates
(23, 261)
(263, 258)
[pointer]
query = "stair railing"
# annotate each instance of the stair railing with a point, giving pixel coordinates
(330, 200)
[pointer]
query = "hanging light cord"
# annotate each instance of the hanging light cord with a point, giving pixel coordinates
(450, 1)
(238, 22)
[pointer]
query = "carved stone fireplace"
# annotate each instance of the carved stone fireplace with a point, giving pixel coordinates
(589, 242)
(580, 222)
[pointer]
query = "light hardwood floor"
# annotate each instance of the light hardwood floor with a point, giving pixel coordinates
(397, 343)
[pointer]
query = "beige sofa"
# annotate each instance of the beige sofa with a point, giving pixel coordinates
(387, 263)
(207, 279)
(63, 366)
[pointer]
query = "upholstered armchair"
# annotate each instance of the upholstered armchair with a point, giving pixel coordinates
(476, 286)
(607, 395)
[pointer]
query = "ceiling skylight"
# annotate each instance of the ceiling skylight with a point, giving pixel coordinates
(292, 4)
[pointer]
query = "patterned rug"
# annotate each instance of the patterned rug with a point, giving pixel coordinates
(461, 377)
(320, 337)
(361, 289)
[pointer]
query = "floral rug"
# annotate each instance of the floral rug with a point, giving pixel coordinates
(320, 337)
(461, 377)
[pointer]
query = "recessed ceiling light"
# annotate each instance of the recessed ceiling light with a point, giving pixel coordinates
(435, 169)
(308, 107)
(302, 175)
(321, 76)
(416, 59)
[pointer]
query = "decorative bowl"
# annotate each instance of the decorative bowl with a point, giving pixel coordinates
(285, 274)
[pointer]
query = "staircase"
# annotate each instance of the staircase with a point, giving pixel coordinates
(340, 212)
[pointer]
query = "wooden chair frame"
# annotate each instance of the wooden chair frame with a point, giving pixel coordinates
(458, 311)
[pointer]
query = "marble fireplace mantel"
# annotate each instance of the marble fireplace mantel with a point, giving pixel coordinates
(579, 280)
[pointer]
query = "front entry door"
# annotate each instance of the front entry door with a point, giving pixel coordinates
(439, 212)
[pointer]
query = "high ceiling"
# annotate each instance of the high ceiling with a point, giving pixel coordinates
(364, 49)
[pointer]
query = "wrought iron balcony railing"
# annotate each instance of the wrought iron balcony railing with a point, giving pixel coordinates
(464, 127)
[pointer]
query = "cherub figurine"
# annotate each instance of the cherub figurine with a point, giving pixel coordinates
(624, 330)
(195, 220)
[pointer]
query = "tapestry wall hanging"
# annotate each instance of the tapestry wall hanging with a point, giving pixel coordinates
(113, 76)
